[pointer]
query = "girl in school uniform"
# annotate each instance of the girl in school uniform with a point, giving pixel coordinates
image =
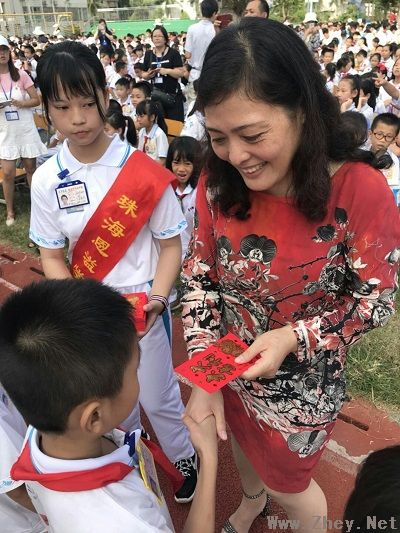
(117, 123)
(123, 222)
(184, 160)
(152, 130)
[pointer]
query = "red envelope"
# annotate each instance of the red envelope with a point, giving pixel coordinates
(138, 300)
(215, 367)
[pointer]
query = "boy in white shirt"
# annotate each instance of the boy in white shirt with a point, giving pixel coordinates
(70, 367)
(17, 514)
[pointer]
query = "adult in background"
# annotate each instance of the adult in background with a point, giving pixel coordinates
(163, 67)
(198, 38)
(19, 137)
(257, 8)
(311, 32)
(286, 255)
(105, 37)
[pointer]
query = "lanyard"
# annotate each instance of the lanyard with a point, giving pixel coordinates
(4, 92)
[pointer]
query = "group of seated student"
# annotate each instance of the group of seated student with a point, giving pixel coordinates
(68, 369)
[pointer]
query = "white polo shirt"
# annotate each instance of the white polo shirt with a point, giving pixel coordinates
(51, 226)
(198, 38)
(13, 517)
(121, 506)
(154, 144)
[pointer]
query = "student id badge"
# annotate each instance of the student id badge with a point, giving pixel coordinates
(148, 470)
(12, 115)
(72, 196)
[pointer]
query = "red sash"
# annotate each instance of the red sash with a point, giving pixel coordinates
(119, 217)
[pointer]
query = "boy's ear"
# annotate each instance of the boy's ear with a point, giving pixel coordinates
(91, 418)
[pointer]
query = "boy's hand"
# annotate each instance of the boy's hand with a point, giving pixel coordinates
(153, 310)
(203, 435)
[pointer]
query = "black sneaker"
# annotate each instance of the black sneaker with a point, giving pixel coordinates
(188, 468)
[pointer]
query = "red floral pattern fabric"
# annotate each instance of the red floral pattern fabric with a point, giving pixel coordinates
(332, 281)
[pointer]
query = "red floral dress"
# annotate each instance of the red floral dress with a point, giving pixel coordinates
(332, 281)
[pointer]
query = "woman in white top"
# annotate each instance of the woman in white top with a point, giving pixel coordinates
(19, 137)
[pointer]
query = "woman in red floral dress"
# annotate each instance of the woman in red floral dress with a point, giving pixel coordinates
(296, 250)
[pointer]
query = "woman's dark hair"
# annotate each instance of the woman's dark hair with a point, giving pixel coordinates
(368, 87)
(14, 74)
(106, 29)
(149, 108)
(119, 121)
(187, 149)
(376, 492)
(73, 68)
(291, 82)
(162, 30)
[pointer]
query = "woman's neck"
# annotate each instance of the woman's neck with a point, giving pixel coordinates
(93, 152)
(397, 80)
(160, 50)
(4, 69)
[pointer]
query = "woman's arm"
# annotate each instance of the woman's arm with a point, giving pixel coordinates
(177, 72)
(33, 101)
(371, 256)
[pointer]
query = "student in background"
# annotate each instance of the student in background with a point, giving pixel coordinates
(153, 130)
(123, 93)
(117, 123)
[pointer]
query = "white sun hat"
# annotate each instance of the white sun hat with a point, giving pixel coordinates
(38, 31)
(4, 42)
(310, 17)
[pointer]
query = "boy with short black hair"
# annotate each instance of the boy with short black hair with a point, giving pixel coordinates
(384, 130)
(123, 93)
(68, 359)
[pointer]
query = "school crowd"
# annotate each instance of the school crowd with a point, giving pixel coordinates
(267, 217)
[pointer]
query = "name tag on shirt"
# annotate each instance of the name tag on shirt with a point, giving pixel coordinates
(158, 79)
(148, 470)
(72, 196)
(11, 115)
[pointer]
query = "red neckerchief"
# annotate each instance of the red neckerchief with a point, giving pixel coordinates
(24, 470)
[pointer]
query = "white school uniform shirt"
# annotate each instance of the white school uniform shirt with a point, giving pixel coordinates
(13, 517)
(194, 125)
(122, 506)
(128, 109)
(368, 113)
(50, 225)
(187, 199)
(392, 174)
(198, 38)
(154, 143)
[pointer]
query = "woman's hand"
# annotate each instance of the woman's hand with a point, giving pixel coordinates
(153, 309)
(272, 347)
(17, 103)
(202, 404)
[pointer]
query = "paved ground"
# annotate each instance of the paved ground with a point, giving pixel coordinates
(361, 428)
